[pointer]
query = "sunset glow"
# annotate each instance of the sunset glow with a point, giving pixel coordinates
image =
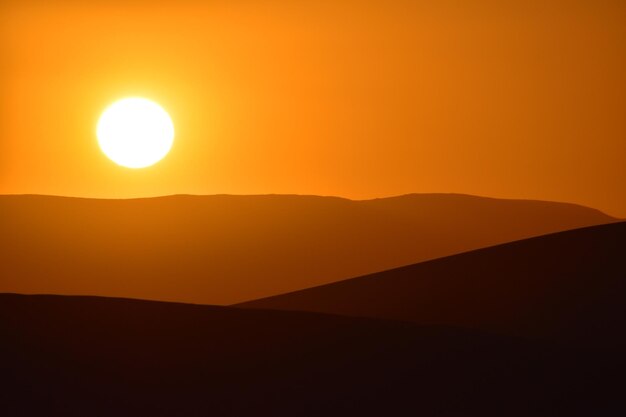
(352, 99)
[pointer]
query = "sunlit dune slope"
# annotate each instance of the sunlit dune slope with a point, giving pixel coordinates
(86, 356)
(568, 286)
(228, 249)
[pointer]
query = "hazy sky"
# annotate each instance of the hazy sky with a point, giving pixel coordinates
(351, 98)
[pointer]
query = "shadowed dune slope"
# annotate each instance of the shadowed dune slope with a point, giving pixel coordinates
(568, 286)
(90, 356)
(227, 249)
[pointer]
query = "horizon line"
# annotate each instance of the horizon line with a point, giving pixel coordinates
(312, 195)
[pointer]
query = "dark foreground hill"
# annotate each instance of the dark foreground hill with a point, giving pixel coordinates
(87, 356)
(228, 249)
(568, 286)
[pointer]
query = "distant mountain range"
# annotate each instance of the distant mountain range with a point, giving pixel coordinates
(228, 249)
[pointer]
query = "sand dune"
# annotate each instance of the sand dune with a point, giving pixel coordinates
(568, 286)
(90, 356)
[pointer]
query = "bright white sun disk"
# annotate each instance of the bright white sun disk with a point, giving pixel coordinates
(135, 132)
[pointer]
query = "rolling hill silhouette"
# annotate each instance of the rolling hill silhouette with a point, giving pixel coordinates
(227, 249)
(91, 356)
(568, 287)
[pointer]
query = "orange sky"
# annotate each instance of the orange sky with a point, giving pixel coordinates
(351, 98)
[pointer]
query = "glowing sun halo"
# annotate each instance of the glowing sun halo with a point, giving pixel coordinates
(135, 132)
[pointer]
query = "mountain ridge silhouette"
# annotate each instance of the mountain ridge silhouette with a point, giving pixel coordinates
(227, 249)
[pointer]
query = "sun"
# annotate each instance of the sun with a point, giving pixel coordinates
(135, 132)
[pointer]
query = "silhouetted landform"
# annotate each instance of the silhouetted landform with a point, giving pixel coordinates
(568, 286)
(228, 249)
(90, 356)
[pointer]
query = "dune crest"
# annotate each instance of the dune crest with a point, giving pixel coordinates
(568, 287)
